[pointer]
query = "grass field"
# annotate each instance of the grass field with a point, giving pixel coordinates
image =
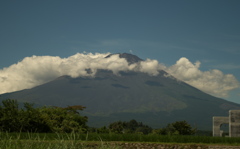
(76, 140)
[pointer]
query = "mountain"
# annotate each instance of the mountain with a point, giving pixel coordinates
(131, 59)
(153, 100)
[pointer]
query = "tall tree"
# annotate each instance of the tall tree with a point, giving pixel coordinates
(44, 119)
(130, 127)
(9, 113)
(177, 128)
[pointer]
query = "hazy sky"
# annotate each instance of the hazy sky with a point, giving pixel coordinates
(206, 32)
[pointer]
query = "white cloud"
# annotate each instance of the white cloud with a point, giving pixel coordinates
(36, 70)
(151, 67)
(213, 82)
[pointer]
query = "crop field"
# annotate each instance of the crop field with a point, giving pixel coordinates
(104, 141)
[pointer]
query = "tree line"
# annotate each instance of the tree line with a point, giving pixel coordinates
(43, 119)
(175, 128)
(68, 119)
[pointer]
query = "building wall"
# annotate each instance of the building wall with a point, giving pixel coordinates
(217, 122)
(234, 123)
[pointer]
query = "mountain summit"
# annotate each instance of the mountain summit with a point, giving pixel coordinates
(131, 59)
(154, 100)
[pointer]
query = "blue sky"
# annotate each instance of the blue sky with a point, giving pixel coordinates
(165, 30)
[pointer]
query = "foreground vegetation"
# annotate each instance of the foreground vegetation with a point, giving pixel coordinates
(43, 119)
(66, 120)
(107, 141)
(94, 137)
(55, 127)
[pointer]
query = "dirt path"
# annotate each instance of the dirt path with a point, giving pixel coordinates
(121, 145)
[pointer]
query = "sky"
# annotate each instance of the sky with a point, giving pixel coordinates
(195, 41)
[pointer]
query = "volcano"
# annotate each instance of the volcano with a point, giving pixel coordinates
(153, 100)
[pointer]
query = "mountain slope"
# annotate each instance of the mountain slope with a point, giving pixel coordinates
(154, 100)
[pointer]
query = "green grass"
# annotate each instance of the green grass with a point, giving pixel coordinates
(49, 141)
(164, 138)
(78, 141)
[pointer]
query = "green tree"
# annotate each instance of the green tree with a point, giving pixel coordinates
(44, 119)
(183, 128)
(117, 127)
(64, 119)
(32, 120)
(177, 128)
(103, 129)
(130, 127)
(9, 116)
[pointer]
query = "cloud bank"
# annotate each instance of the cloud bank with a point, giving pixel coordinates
(213, 82)
(36, 70)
